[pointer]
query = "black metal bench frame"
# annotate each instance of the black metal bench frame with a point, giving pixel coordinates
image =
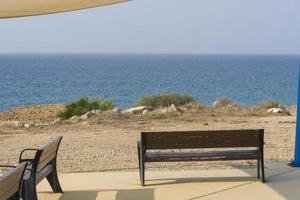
(11, 182)
(43, 165)
(151, 144)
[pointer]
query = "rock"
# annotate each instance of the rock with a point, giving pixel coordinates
(117, 110)
(216, 103)
(84, 117)
(94, 112)
(27, 125)
(42, 124)
(275, 110)
(89, 114)
(84, 123)
(173, 108)
(74, 118)
(145, 112)
(223, 102)
(163, 111)
(136, 110)
(11, 124)
(293, 110)
(56, 121)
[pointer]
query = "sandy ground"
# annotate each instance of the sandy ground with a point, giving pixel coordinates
(101, 145)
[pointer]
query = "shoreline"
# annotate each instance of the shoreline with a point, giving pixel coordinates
(126, 107)
(47, 113)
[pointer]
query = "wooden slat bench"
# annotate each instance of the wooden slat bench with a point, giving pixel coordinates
(11, 182)
(42, 165)
(232, 144)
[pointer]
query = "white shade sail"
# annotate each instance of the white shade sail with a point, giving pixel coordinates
(21, 8)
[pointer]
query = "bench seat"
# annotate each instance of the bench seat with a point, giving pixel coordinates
(41, 175)
(200, 156)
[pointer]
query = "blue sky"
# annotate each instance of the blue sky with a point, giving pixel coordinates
(161, 26)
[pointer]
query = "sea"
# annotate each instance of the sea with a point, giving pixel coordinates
(27, 79)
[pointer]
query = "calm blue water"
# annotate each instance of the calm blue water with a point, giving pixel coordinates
(34, 79)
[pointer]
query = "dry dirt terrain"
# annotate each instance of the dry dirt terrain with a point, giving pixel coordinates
(107, 142)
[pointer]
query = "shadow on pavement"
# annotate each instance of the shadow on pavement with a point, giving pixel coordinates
(145, 194)
(170, 181)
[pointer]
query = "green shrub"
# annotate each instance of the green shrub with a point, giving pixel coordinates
(85, 105)
(222, 102)
(270, 104)
(164, 100)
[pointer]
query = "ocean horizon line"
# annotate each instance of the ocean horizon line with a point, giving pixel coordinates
(164, 54)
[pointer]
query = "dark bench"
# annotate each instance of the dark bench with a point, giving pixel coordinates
(42, 165)
(11, 181)
(243, 144)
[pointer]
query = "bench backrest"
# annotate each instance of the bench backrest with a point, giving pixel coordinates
(10, 182)
(202, 139)
(47, 153)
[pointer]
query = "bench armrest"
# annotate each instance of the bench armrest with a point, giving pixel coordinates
(21, 154)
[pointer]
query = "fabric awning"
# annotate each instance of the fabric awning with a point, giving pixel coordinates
(21, 8)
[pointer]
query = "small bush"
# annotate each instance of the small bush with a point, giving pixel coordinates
(164, 100)
(270, 104)
(83, 106)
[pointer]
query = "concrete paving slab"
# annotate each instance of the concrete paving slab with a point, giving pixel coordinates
(283, 183)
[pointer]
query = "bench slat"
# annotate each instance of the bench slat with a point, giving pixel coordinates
(200, 139)
(10, 181)
(44, 160)
(49, 153)
(201, 156)
(43, 173)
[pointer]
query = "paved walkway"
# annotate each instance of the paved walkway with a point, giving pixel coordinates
(283, 183)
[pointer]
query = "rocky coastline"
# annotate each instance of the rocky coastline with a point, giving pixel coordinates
(38, 116)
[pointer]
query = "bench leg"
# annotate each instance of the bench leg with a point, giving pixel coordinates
(142, 172)
(263, 170)
(139, 158)
(15, 197)
(29, 190)
(258, 168)
(141, 167)
(53, 180)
